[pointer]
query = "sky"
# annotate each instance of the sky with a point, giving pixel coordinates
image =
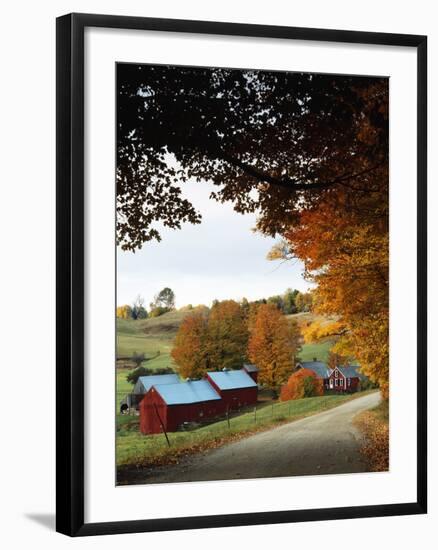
(221, 258)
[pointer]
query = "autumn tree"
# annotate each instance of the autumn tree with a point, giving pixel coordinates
(289, 301)
(303, 301)
(302, 383)
(266, 140)
(272, 346)
(124, 312)
(336, 360)
(227, 336)
(163, 302)
(190, 346)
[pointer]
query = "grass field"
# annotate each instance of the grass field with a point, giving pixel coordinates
(134, 449)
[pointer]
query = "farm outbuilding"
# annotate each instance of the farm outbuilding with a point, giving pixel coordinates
(145, 383)
(252, 370)
(236, 388)
(142, 386)
(166, 407)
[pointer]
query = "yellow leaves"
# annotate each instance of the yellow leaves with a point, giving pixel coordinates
(375, 447)
(123, 312)
(319, 329)
(272, 345)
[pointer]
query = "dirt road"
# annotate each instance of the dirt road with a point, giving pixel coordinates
(326, 443)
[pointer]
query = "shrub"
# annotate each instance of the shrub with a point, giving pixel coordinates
(302, 383)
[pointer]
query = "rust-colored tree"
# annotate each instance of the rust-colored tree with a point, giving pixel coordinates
(189, 349)
(302, 383)
(272, 346)
(342, 238)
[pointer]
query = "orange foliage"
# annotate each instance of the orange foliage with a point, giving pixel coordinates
(272, 345)
(342, 237)
(302, 383)
(189, 351)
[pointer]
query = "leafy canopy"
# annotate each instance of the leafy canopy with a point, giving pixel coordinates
(265, 139)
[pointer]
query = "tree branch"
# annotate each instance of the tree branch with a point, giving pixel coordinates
(290, 184)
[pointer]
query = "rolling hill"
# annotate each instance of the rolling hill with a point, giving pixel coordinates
(154, 338)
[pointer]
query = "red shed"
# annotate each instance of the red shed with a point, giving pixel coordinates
(168, 406)
(252, 370)
(236, 387)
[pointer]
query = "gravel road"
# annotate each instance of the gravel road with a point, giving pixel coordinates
(326, 443)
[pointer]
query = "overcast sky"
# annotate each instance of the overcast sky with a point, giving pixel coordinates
(221, 258)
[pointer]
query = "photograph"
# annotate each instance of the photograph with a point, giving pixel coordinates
(252, 231)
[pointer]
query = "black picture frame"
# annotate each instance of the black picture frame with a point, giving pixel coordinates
(70, 273)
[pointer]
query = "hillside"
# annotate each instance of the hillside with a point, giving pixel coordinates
(155, 335)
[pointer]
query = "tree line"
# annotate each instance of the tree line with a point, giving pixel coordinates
(232, 333)
(290, 302)
(163, 302)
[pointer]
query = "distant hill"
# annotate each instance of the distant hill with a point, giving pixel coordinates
(150, 336)
(153, 335)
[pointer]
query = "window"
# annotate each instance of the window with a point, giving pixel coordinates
(336, 382)
(341, 382)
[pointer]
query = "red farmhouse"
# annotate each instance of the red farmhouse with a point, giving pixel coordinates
(168, 406)
(339, 379)
(236, 388)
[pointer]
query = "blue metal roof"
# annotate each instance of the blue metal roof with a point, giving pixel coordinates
(318, 367)
(352, 372)
(232, 379)
(149, 381)
(250, 367)
(184, 393)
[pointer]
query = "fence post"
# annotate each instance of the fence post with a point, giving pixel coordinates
(255, 414)
(162, 425)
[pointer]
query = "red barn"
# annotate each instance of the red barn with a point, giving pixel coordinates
(252, 370)
(236, 388)
(168, 406)
(142, 386)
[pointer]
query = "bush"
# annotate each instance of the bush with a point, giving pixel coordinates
(157, 311)
(302, 383)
